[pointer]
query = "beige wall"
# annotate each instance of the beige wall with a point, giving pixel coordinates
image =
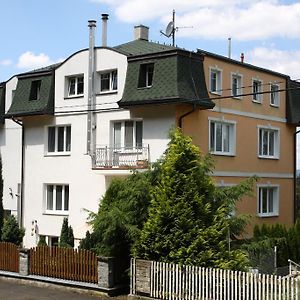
(247, 116)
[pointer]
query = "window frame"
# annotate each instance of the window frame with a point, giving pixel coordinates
(67, 140)
(232, 134)
(54, 210)
(276, 144)
(123, 134)
(35, 90)
(275, 200)
(111, 88)
(259, 99)
(143, 80)
(68, 86)
(277, 93)
(218, 72)
(240, 85)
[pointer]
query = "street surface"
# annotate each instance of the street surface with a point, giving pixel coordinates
(13, 290)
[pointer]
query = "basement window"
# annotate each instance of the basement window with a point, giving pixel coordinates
(146, 75)
(35, 90)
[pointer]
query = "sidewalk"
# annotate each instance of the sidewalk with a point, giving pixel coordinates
(17, 289)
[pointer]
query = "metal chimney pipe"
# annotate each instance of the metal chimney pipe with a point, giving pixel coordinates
(229, 47)
(104, 18)
(242, 57)
(92, 26)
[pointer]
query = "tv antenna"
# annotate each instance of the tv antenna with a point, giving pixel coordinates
(171, 29)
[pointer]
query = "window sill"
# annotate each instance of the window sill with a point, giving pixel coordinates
(222, 153)
(107, 93)
(274, 105)
(236, 97)
(270, 215)
(56, 213)
(51, 154)
(267, 157)
(144, 87)
(73, 97)
(215, 93)
(257, 101)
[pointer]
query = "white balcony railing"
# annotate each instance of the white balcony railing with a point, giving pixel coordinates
(107, 157)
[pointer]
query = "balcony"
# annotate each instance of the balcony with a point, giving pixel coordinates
(109, 157)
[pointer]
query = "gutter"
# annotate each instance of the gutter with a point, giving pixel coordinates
(21, 217)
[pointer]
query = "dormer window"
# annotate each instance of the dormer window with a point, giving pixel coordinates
(35, 90)
(75, 86)
(109, 81)
(146, 75)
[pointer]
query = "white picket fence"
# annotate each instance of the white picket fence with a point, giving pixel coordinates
(174, 282)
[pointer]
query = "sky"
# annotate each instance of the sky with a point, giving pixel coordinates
(36, 33)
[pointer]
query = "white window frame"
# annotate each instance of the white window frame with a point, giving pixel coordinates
(276, 193)
(122, 133)
(260, 90)
(218, 73)
(276, 93)
(111, 88)
(232, 137)
(239, 78)
(276, 145)
(55, 211)
(56, 141)
(68, 86)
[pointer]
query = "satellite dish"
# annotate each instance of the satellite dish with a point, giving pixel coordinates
(170, 29)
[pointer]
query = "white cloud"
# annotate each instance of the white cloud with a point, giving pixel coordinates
(5, 62)
(240, 19)
(277, 60)
(29, 60)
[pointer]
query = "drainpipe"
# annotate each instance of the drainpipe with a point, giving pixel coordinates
(186, 114)
(295, 175)
(21, 200)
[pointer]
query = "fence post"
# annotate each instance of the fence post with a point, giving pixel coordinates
(106, 272)
(24, 262)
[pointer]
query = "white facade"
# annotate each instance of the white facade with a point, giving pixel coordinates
(70, 172)
(10, 148)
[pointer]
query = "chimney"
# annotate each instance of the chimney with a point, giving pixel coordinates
(104, 18)
(229, 47)
(141, 32)
(242, 57)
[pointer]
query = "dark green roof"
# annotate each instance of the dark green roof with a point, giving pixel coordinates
(178, 78)
(138, 47)
(22, 105)
(293, 102)
(2, 102)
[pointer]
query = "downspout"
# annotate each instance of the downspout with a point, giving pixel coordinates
(295, 175)
(21, 201)
(186, 114)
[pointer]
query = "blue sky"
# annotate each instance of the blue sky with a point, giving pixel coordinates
(39, 32)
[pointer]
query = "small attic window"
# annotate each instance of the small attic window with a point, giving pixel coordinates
(35, 90)
(146, 75)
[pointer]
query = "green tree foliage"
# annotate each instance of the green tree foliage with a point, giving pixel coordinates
(1, 199)
(42, 241)
(265, 238)
(66, 235)
(189, 218)
(11, 231)
(121, 215)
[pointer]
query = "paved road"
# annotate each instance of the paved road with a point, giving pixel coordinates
(14, 290)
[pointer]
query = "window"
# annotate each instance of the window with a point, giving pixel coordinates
(256, 90)
(222, 137)
(146, 75)
(75, 86)
(109, 81)
(215, 81)
(236, 85)
(128, 134)
(35, 90)
(57, 198)
(274, 94)
(268, 143)
(268, 201)
(59, 139)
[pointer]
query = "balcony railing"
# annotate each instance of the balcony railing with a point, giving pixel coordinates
(121, 157)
